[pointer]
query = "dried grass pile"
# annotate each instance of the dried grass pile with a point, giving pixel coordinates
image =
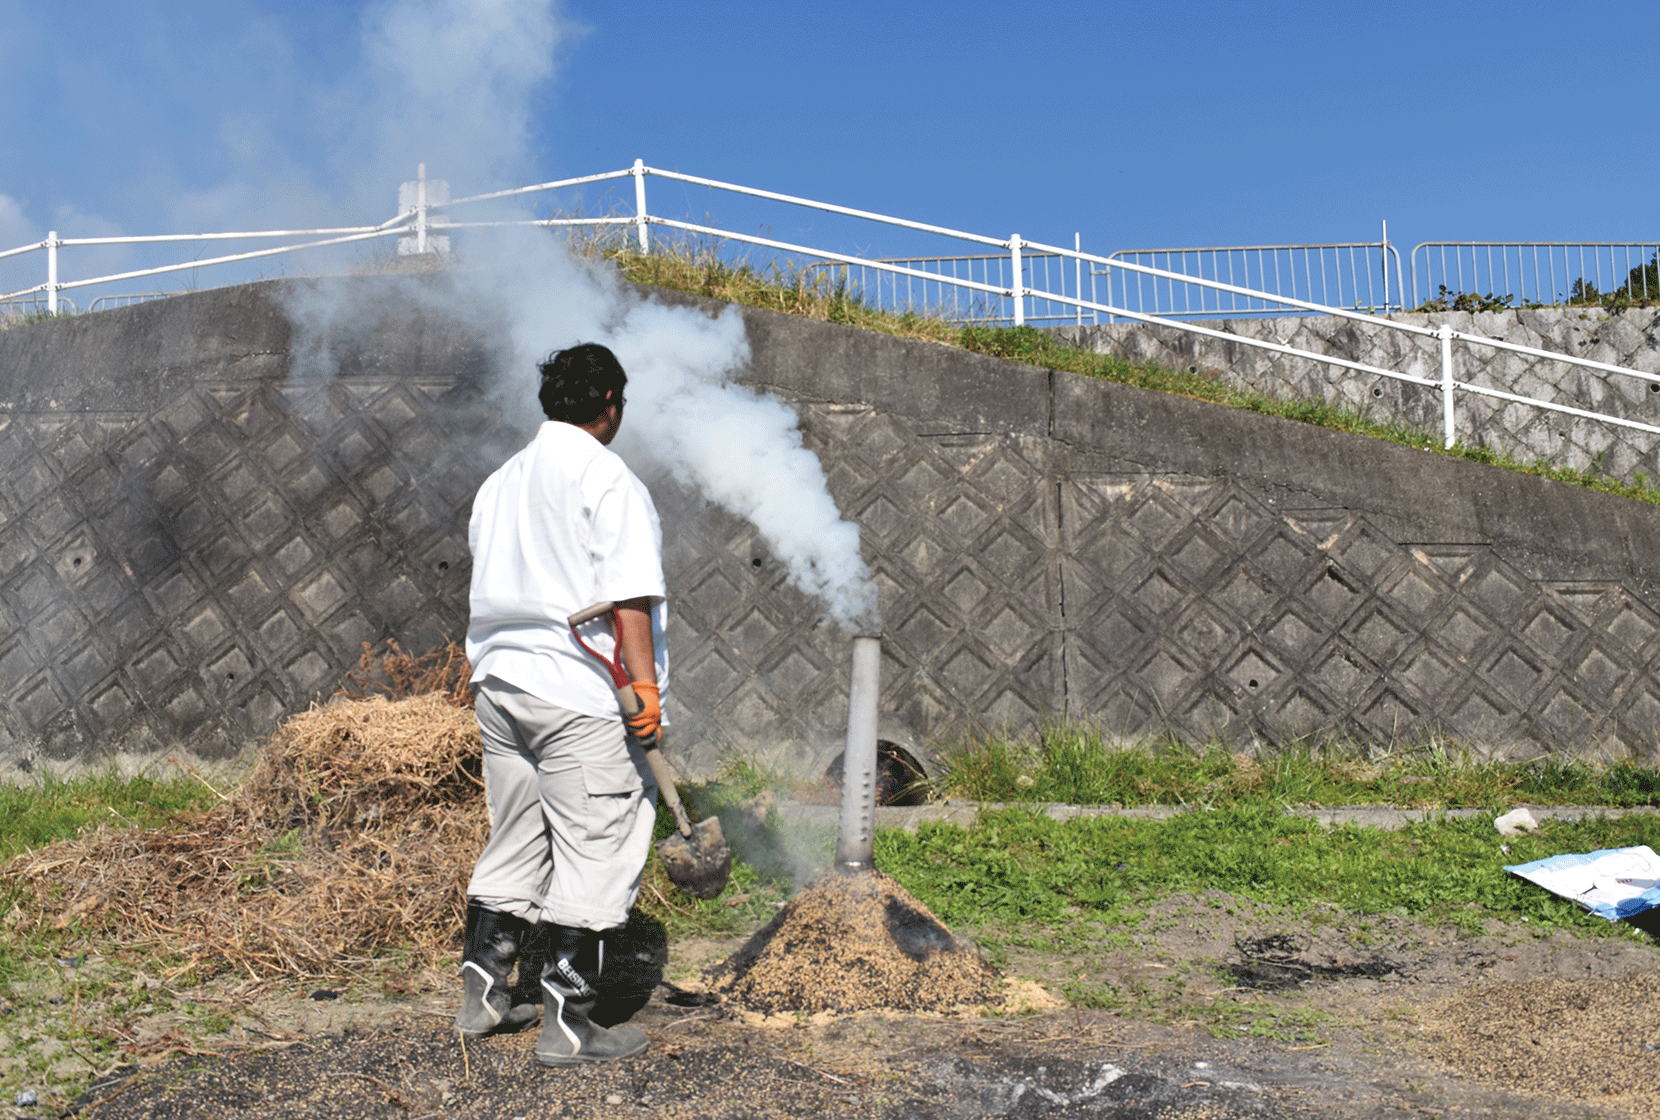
(355, 831)
(856, 942)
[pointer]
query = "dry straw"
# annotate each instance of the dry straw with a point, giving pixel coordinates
(854, 942)
(355, 833)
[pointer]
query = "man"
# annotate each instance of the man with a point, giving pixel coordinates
(562, 525)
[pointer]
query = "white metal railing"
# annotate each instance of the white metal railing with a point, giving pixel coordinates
(1535, 273)
(1339, 274)
(126, 299)
(1016, 287)
(33, 305)
(939, 293)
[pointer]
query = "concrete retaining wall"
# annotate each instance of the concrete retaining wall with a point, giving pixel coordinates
(1628, 337)
(197, 538)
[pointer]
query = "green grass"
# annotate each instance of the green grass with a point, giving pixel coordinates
(1019, 877)
(36, 814)
(1020, 880)
(57, 808)
(1017, 882)
(1076, 764)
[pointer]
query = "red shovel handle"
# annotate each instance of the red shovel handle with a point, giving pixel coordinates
(614, 666)
(627, 699)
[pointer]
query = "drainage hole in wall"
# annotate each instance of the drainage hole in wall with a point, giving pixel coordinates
(76, 561)
(443, 565)
(1193, 369)
(755, 563)
(1653, 388)
(1250, 684)
(229, 677)
(1377, 390)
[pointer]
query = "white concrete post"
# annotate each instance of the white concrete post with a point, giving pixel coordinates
(640, 204)
(1018, 290)
(1445, 334)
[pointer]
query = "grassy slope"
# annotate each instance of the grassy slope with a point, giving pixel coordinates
(815, 296)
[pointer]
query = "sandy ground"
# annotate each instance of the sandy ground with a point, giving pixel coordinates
(1210, 1007)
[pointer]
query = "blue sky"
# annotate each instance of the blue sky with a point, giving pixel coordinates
(1134, 124)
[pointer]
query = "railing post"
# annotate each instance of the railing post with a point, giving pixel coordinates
(1078, 273)
(1383, 263)
(420, 207)
(52, 272)
(1017, 289)
(640, 204)
(1445, 334)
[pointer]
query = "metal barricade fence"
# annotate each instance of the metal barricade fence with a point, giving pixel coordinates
(1365, 275)
(1362, 275)
(939, 292)
(17, 307)
(1534, 273)
(127, 299)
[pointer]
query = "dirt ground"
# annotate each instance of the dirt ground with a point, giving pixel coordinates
(1210, 1007)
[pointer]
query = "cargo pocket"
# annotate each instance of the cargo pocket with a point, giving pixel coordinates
(613, 789)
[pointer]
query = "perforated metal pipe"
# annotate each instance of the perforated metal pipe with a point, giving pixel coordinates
(856, 846)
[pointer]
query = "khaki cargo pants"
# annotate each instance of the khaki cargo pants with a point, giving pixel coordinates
(572, 806)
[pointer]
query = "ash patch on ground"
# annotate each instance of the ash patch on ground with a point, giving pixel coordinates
(1450, 1034)
(855, 942)
(702, 1067)
(1279, 961)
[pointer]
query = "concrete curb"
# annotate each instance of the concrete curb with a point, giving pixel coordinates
(965, 813)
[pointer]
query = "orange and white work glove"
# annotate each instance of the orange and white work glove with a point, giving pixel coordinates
(646, 725)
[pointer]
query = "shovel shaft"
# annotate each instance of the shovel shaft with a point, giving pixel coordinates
(665, 786)
(588, 614)
(630, 704)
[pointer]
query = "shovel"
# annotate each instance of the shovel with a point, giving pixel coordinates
(696, 857)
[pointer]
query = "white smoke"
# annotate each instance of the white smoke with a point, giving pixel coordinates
(741, 449)
(454, 86)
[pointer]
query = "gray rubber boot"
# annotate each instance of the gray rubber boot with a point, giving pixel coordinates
(492, 944)
(568, 1036)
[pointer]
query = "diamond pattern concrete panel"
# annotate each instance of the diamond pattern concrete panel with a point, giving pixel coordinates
(178, 575)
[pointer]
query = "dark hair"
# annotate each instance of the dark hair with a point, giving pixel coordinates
(578, 383)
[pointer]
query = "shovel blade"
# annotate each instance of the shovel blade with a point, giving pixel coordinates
(699, 864)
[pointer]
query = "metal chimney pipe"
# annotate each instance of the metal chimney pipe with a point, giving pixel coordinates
(856, 846)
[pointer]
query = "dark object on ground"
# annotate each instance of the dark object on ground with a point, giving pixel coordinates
(1277, 962)
(900, 778)
(851, 942)
(696, 858)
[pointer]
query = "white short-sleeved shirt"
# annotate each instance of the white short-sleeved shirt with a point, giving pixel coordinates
(562, 525)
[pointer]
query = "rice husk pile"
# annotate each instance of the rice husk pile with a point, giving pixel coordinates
(855, 942)
(356, 831)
